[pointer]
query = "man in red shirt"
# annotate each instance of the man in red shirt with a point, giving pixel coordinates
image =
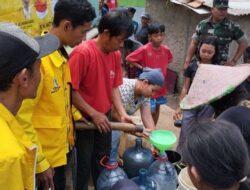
(96, 74)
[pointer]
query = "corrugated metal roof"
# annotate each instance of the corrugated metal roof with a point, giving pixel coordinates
(236, 7)
(240, 4)
(199, 10)
(238, 12)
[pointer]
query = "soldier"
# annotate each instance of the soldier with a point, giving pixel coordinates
(219, 25)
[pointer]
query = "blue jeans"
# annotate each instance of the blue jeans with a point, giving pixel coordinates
(189, 118)
(115, 142)
(157, 101)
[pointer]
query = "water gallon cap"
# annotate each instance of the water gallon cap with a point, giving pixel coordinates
(162, 140)
(104, 162)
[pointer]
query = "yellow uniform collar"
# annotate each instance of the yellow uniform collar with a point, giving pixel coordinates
(57, 58)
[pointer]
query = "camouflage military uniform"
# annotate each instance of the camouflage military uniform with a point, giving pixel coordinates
(226, 31)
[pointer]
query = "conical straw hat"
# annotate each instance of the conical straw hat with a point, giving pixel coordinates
(211, 82)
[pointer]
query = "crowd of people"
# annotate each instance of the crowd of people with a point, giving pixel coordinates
(43, 91)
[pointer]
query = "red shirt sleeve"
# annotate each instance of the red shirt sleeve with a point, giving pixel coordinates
(77, 63)
(118, 70)
(136, 56)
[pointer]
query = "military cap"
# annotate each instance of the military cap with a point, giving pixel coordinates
(220, 3)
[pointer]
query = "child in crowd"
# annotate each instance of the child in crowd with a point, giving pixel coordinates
(142, 34)
(103, 7)
(206, 55)
(131, 13)
(130, 45)
(154, 55)
(216, 156)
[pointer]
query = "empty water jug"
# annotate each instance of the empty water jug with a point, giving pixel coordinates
(109, 175)
(144, 182)
(163, 173)
(137, 157)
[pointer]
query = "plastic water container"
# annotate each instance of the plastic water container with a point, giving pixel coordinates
(184, 181)
(109, 175)
(144, 182)
(137, 157)
(163, 173)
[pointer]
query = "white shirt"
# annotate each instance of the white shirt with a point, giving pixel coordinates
(127, 91)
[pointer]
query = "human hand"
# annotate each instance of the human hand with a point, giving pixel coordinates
(101, 122)
(177, 114)
(186, 64)
(126, 119)
(145, 134)
(231, 62)
(45, 179)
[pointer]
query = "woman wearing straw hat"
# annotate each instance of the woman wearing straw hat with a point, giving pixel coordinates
(207, 54)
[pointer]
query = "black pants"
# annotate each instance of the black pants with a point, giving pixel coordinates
(59, 178)
(91, 147)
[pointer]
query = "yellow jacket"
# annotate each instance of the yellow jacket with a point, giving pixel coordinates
(17, 155)
(50, 113)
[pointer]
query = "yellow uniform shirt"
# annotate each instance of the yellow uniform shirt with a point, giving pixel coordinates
(17, 155)
(50, 113)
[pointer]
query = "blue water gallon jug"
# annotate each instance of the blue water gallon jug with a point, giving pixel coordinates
(137, 157)
(144, 182)
(163, 173)
(111, 174)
